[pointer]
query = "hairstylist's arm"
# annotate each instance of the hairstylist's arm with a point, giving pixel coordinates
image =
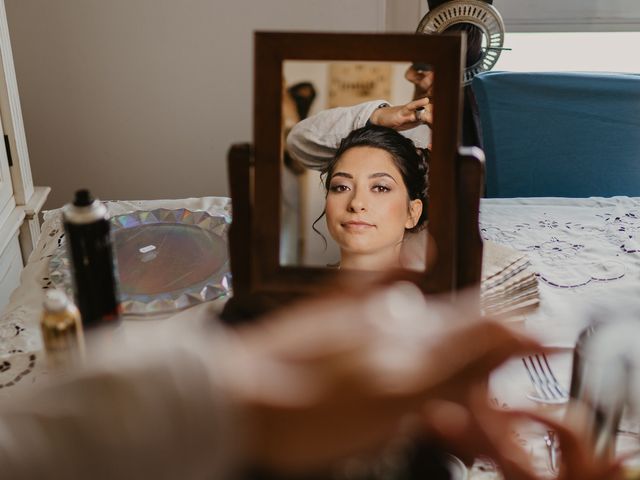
(404, 117)
(314, 140)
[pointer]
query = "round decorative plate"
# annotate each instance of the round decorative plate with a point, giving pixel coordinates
(167, 260)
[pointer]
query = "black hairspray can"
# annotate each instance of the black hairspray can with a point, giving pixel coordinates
(89, 247)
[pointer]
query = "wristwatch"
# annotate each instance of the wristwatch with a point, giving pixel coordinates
(382, 105)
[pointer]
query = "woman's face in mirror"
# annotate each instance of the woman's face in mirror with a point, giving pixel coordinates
(325, 101)
(368, 208)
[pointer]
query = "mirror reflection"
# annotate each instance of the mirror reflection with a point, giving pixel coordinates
(356, 139)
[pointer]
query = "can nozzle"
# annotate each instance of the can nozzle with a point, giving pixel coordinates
(83, 198)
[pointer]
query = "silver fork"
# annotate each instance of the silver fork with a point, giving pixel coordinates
(548, 389)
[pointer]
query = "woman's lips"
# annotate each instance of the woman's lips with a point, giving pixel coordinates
(357, 225)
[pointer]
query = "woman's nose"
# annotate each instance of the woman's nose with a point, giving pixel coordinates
(357, 203)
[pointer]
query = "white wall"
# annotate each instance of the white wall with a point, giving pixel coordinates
(142, 98)
(404, 15)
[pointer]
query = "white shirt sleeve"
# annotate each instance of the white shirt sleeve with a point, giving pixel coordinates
(314, 140)
(154, 412)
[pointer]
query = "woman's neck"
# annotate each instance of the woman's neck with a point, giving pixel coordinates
(383, 260)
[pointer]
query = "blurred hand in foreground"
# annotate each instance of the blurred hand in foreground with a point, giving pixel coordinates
(473, 428)
(315, 384)
(335, 377)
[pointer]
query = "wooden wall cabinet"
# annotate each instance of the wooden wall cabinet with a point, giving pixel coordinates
(20, 201)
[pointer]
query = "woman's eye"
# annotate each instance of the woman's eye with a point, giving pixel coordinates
(338, 188)
(381, 188)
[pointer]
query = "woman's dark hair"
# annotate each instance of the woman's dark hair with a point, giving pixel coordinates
(411, 162)
(474, 41)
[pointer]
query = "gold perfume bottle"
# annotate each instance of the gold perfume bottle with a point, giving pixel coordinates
(61, 331)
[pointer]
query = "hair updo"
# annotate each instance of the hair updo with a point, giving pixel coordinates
(411, 162)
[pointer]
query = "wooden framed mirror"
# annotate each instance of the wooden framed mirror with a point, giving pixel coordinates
(261, 277)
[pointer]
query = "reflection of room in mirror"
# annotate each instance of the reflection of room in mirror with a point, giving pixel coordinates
(353, 83)
(335, 84)
(319, 74)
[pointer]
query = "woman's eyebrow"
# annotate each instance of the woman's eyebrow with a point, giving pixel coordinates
(342, 174)
(373, 175)
(382, 174)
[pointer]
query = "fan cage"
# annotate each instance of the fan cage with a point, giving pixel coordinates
(474, 12)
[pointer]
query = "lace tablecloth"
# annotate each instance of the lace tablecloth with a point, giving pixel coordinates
(20, 340)
(584, 251)
(586, 254)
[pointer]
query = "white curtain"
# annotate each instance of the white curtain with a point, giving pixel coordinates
(570, 15)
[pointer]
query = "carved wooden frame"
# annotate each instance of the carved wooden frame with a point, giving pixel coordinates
(255, 171)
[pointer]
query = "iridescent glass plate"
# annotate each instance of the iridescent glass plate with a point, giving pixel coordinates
(167, 260)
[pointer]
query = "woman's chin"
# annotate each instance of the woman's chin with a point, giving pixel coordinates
(370, 259)
(358, 250)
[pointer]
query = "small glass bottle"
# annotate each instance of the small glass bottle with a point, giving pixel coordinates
(602, 371)
(61, 331)
(579, 366)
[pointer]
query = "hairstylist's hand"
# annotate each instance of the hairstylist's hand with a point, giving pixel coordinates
(404, 117)
(474, 427)
(576, 458)
(334, 377)
(423, 81)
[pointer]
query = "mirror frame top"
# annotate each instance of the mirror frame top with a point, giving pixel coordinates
(445, 54)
